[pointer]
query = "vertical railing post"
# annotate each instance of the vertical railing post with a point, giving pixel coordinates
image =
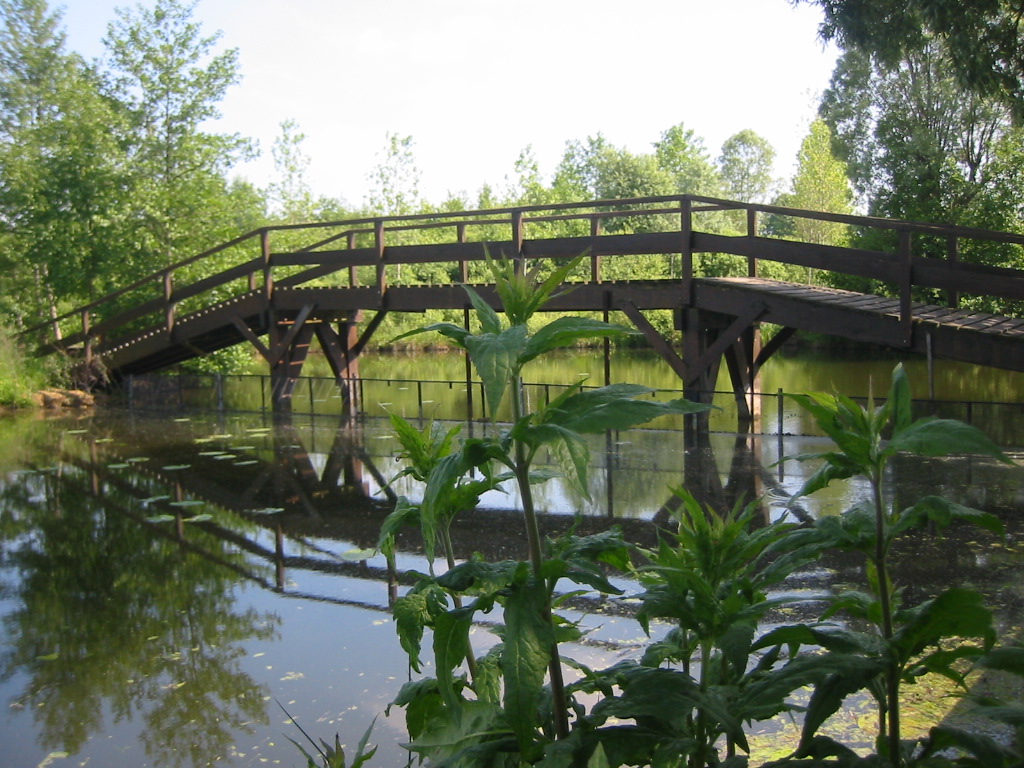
(686, 248)
(517, 241)
(353, 275)
(906, 283)
(252, 275)
(169, 307)
(595, 259)
(751, 233)
(378, 240)
(268, 269)
(87, 333)
(460, 234)
(953, 252)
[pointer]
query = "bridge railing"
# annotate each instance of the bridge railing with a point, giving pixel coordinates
(362, 252)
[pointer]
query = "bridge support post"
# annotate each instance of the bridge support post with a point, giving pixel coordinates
(290, 338)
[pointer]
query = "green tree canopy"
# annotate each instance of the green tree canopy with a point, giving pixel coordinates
(983, 38)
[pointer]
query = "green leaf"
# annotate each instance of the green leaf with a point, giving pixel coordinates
(943, 437)
(1005, 658)
(451, 331)
(615, 407)
(987, 750)
(849, 674)
(899, 400)
(411, 615)
(573, 457)
(941, 513)
(483, 577)
(489, 321)
(421, 700)
(405, 513)
(496, 359)
(528, 644)
(566, 331)
(451, 645)
(956, 612)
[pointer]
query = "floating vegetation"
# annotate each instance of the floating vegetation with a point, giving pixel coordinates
(215, 454)
(223, 455)
(187, 503)
(160, 519)
(242, 447)
(138, 459)
(75, 431)
(357, 555)
(152, 499)
(265, 511)
(199, 518)
(173, 467)
(121, 465)
(245, 463)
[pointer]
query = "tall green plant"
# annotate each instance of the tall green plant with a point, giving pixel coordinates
(503, 713)
(937, 636)
(690, 696)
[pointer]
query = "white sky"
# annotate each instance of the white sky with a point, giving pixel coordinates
(475, 81)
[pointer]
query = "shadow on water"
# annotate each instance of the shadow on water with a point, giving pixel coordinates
(163, 581)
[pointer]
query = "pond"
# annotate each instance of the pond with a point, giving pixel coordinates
(170, 584)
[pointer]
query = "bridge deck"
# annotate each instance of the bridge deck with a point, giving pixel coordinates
(975, 337)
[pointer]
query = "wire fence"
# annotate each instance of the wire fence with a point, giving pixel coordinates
(459, 400)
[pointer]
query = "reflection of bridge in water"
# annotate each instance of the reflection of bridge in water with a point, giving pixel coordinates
(305, 495)
(286, 505)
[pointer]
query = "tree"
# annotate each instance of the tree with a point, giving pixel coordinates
(527, 188)
(395, 182)
(168, 79)
(820, 184)
(745, 165)
(681, 153)
(576, 177)
(917, 144)
(982, 38)
(32, 61)
(62, 171)
(291, 194)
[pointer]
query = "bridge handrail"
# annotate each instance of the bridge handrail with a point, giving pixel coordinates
(516, 218)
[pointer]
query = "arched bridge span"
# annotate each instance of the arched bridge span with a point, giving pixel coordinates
(278, 287)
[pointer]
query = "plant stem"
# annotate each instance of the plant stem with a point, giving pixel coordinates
(449, 552)
(892, 683)
(522, 471)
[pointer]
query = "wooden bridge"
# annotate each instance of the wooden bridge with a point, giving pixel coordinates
(278, 287)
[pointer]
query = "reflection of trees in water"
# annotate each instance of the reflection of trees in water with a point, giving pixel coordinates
(114, 617)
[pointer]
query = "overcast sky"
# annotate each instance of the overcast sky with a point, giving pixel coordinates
(476, 81)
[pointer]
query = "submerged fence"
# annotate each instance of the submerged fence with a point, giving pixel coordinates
(448, 400)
